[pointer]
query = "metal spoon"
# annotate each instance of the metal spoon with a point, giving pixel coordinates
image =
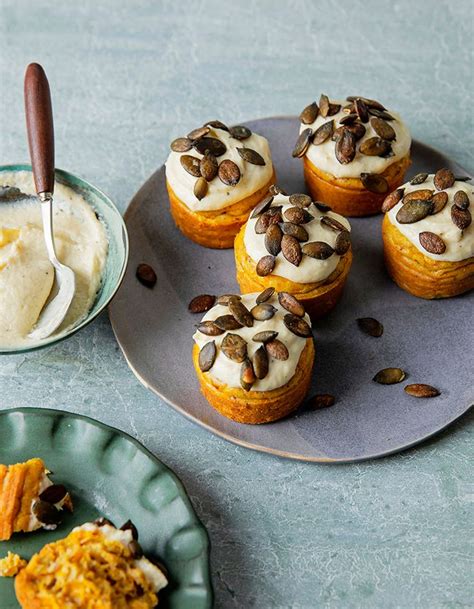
(39, 124)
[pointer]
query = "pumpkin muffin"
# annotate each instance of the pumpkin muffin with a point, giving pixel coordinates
(254, 355)
(97, 566)
(354, 153)
(297, 246)
(428, 235)
(215, 176)
(28, 499)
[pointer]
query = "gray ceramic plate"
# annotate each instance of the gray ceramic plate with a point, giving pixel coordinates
(110, 474)
(425, 338)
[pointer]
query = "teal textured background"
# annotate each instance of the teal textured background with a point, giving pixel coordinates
(126, 77)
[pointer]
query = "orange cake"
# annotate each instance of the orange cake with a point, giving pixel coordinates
(428, 235)
(28, 499)
(297, 246)
(215, 176)
(97, 566)
(254, 355)
(354, 153)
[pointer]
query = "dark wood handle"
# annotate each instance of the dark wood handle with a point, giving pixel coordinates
(39, 124)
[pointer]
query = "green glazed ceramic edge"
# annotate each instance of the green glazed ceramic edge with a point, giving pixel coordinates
(117, 257)
(131, 477)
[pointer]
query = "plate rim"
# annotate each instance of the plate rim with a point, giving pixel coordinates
(258, 448)
(143, 449)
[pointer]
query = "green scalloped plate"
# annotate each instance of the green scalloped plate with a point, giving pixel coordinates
(110, 474)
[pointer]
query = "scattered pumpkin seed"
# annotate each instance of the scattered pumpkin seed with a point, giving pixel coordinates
(146, 275)
(463, 178)
(296, 215)
(54, 493)
(136, 549)
(265, 266)
(273, 237)
(389, 376)
(291, 249)
(271, 216)
(200, 188)
(227, 322)
(265, 295)
(191, 164)
(423, 194)
(46, 513)
(370, 326)
(251, 156)
(322, 207)
(297, 325)
(348, 119)
(300, 200)
(319, 401)
(444, 178)
(207, 356)
(322, 133)
(260, 362)
(208, 166)
(234, 347)
(324, 105)
(333, 224)
(240, 312)
(229, 172)
(209, 328)
(201, 303)
(302, 143)
(392, 199)
(374, 183)
(262, 206)
(419, 179)
(247, 375)
(383, 129)
(439, 201)
(294, 230)
(265, 336)
(420, 390)
(461, 199)
(318, 249)
(375, 146)
(181, 144)
(129, 526)
(381, 114)
(310, 114)
(460, 217)
(343, 243)
(263, 311)
(198, 133)
(240, 132)
(217, 125)
(414, 211)
(361, 110)
(223, 299)
(211, 144)
(432, 242)
(345, 147)
(291, 304)
(276, 349)
(276, 190)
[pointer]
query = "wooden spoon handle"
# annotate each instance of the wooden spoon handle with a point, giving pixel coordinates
(39, 124)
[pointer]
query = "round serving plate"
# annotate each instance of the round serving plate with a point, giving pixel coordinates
(110, 474)
(425, 338)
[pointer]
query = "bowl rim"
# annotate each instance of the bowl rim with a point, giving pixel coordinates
(69, 179)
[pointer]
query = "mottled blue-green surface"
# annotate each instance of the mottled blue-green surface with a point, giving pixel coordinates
(126, 78)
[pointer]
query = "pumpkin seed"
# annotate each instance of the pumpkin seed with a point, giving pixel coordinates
(247, 375)
(318, 249)
(348, 119)
(191, 164)
(432, 242)
(294, 230)
(343, 243)
(211, 144)
(46, 513)
(276, 349)
(262, 206)
(297, 325)
(300, 200)
(322, 206)
(273, 237)
(307, 216)
(302, 143)
(240, 312)
(265, 295)
(392, 199)
(129, 526)
(229, 172)
(291, 249)
(272, 216)
(420, 390)
(381, 114)
(439, 201)
(460, 217)
(251, 156)
(260, 362)
(389, 376)
(207, 356)
(265, 266)
(263, 311)
(444, 178)
(461, 199)
(208, 166)
(357, 129)
(234, 347)
(291, 304)
(223, 299)
(383, 129)
(240, 132)
(345, 147)
(322, 133)
(200, 188)
(463, 178)
(332, 224)
(420, 195)
(419, 179)
(217, 125)
(375, 146)
(370, 103)
(319, 401)
(310, 114)
(361, 110)
(414, 211)
(333, 109)
(324, 104)
(201, 303)
(370, 326)
(54, 493)
(101, 522)
(181, 144)
(198, 133)
(374, 183)
(227, 322)
(209, 328)
(136, 549)
(265, 336)
(295, 215)
(276, 190)
(146, 275)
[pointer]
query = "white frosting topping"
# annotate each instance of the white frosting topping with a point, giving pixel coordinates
(459, 243)
(153, 574)
(310, 270)
(220, 195)
(324, 158)
(280, 372)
